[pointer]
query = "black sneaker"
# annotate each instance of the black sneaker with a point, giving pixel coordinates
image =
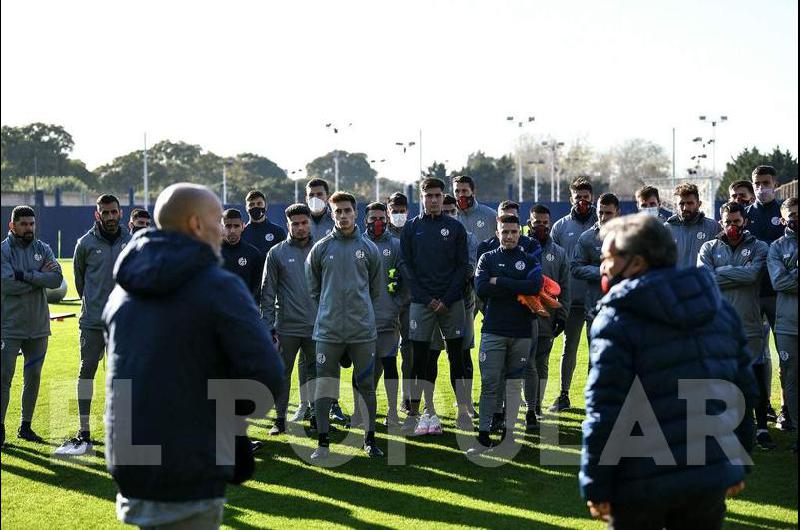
(771, 414)
(784, 421)
(764, 441)
(538, 411)
(256, 446)
(561, 403)
(26, 433)
(484, 444)
(279, 427)
(405, 407)
(531, 423)
(498, 422)
(372, 450)
(337, 414)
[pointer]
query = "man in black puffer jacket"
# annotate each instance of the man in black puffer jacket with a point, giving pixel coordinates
(176, 321)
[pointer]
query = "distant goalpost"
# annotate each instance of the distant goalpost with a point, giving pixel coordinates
(707, 185)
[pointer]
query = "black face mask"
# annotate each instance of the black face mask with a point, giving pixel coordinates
(465, 202)
(376, 228)
(256, 213)
(135, 229)
(540, 232)
(792, 225)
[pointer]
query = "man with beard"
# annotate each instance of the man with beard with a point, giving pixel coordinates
(240, 257)
(28, 268)
(93, 263)
(742, 192)
(260, 231)
(476, 217)
(689, 227)
(140, 220)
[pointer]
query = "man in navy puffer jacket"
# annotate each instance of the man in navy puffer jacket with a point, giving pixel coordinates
(660, 330)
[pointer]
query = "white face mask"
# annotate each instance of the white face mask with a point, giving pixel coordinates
(399, 219)
(315, 204)
(652, 211)
(765, 194)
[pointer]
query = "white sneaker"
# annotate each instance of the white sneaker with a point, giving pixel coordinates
(435, 426)
(423, 425)
(73, 447)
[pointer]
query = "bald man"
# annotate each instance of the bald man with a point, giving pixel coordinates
(176, 321)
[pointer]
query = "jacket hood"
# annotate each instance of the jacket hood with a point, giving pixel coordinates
(676, 219)
(156, 263)
(686, 298)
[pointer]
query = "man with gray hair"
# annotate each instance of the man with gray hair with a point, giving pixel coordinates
(658, 328)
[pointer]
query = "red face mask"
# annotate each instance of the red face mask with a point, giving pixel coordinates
(465, 202)
(582, 207)
(540, 232)
(734, 233)
(376, 228)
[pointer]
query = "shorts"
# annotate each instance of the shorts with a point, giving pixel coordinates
(423, 321)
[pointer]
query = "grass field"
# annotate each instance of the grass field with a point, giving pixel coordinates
(437, 487)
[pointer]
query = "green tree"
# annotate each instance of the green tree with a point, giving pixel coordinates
(741, 167)
(436, 170)
(354, 169)
(490, 174)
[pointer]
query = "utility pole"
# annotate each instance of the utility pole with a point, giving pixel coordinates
(146, 201)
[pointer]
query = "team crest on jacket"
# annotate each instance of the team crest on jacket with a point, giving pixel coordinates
(321, 358)
(776, 221)
(482, 356)
(445, 232)
(520, 265)
(37, 257)
(360, 254)
(387, 252)
(99, 251)
(481, 223)
(550, 257)
(242, 261)
(269, 237)
(122, 245)
(412, 324)
(701, 235)
(746, 252)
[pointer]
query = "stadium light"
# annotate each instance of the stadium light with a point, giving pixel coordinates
(520, 123)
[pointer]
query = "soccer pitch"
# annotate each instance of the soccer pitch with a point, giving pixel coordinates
(437, 487)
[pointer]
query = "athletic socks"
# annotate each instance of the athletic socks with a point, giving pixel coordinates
(324, 440)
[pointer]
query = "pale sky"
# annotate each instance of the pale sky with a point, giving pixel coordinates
(265, 77)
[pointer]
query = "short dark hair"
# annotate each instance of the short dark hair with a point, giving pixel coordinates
(106, 199)
(21, 211)
(315, 183)
(255, 194)
(297, 209)
(609, 198)
(687, 188)
(540, 209)
(647, 191)
(508, 205)
(342, 196)
(764, 170)
(642, 235)
(788, 203)
(231, 213)
(449, 199)
(139, 213)
(508, 218)
(432, 182)
(742, 184)
(375, 206)
(397, 199)
(464, 179)
(732, 207)
(581, 184)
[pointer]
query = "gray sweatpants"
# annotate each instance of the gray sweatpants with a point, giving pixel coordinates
(537, 370)
(33, 354)
(364, 359)
(306, 370)
(787, 355)
(499, 355)
(572, 338)
(93, 347)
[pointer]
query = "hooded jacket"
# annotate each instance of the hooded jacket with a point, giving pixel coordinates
(782, 267)
(25, 314)
(660, 328)
(565, 233)
(387, 306)
(738, 273)
(176, 320)
(690, 236)
(93, 264)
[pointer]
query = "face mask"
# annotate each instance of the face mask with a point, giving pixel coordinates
(606, 282)
(376, 228)
(465, 202)
(315, 204)
(399, 219)
(137, 229)
(651, 211)
(792, 225)
(256, 213)
(743, 202)
(734, 233)
(765, 194)
(582, 207)
(540, 232)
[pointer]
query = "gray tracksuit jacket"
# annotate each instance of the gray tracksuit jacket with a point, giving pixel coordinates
(25, 314)
(345, 278)
(555, 265)
(286, 304)
(93, 263)
(387, 306)
(480, 220)
(690, 236)
(323, 226)
(738, 273)
(565, 234)
(585, 265)
(782, 268)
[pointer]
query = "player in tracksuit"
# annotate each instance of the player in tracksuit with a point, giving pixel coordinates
(476, 217)
(240, 257)
(503, 274)
(648, 201)
(782, 267)
(742, 191)
(289, 313)
(690, 227)
(565, 233)
(738, 261)
(555, 265)
(391, 301)
(344, 275)
(436, 265)
(93, 263)
(28, 268)
(260, 231)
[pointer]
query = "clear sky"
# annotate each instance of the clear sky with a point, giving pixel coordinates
(265, 77)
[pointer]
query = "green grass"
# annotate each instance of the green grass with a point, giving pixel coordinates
(437, 487)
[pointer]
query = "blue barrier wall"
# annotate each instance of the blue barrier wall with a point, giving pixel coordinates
(74, 221)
